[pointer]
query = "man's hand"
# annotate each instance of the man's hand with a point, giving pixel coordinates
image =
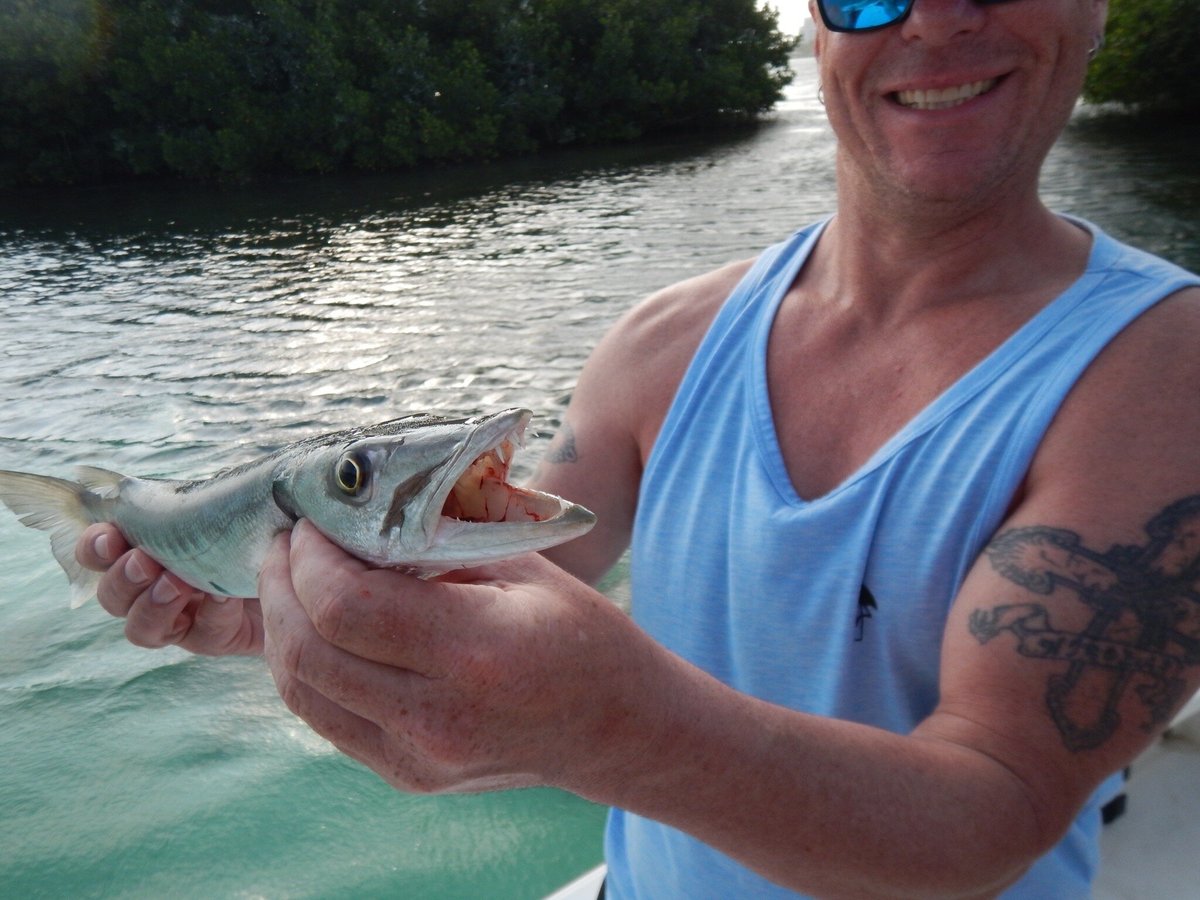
(160, 609)
(507, 676)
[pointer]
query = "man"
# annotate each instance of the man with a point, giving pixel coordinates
(917, 532)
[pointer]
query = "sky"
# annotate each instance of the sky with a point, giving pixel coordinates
(792, 14)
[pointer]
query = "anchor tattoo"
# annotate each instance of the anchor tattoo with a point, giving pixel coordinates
(1144, 633)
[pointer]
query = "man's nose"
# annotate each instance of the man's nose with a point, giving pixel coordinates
(939, 21)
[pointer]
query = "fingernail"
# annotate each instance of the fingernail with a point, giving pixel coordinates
(101, 547)
(134, 571)
(164, 591)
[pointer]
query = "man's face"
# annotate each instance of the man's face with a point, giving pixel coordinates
(959, 100)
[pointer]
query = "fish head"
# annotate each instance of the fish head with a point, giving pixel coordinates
(426, 494)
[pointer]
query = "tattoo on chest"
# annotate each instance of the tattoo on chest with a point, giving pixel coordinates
(562, 449)
(1143, 634)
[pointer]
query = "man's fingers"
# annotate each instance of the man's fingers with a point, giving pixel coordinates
(225, 625)
(132, 574)
(275, 576)
(153, 626)
(296, 651)
(158, 607)
(353, 735)
(376, 614)
(99, 546)
(298, 656)
(330, 689)
(383, 717)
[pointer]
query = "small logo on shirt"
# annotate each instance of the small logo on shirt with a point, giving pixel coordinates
(866, 606)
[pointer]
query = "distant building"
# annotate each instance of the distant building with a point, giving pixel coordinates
(808, 34)
(805, 38)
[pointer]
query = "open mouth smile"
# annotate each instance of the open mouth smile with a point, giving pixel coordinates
(943, 98)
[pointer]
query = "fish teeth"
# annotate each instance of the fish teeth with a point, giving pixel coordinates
(943, 98)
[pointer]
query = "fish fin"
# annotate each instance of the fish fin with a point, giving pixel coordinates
(56, 506)
(101, 482)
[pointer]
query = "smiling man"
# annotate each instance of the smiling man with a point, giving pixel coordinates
(914, 508)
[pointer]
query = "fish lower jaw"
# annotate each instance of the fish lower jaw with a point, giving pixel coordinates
(459, 544)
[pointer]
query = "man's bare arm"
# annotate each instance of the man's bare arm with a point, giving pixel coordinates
(521, 675)
(597, 456)
(1072, 642)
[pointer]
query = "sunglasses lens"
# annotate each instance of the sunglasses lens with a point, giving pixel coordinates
(862, 15)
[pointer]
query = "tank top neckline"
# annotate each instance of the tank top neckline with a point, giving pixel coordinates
(975, 379)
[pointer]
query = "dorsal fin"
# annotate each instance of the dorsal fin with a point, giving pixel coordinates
(101, 482)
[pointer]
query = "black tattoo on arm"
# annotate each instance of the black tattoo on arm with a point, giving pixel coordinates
(1144, 631)
(562, 448)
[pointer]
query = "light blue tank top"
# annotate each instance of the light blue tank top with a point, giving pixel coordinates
(836, 605)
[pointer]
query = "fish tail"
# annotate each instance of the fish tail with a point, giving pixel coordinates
(61, 508)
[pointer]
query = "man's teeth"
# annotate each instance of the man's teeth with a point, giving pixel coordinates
(945, 97)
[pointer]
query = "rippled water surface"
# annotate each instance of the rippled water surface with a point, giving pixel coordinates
(174, 331)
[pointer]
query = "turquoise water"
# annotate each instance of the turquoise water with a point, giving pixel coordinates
(176, 331)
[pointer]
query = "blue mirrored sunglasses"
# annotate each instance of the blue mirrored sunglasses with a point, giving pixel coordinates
(868, 15)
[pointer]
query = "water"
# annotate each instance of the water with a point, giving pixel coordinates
(174, 331)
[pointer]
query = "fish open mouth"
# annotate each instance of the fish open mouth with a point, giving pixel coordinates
(469, 513)
(482, 493)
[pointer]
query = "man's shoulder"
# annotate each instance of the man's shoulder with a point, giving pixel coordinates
(1133, 418)
(686, 305)
(1130, 258)
(683, 312)
(659, 335)
(1159, 341)
(634, 371)
(1165, 334)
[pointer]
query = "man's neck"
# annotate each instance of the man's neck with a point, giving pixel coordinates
(891, 265)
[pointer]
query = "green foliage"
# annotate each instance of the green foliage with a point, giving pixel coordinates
(52, 63)
(219, 89)
(1150, 60)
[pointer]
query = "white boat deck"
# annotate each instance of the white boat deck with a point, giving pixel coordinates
(1152, 852)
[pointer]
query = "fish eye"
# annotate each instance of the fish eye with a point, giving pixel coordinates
(350, 473)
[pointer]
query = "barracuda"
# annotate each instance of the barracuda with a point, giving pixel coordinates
(420, 493)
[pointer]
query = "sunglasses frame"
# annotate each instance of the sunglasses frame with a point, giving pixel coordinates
(908, 5)
(904, 13)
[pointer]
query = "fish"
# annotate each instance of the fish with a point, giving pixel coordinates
(421, 493)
